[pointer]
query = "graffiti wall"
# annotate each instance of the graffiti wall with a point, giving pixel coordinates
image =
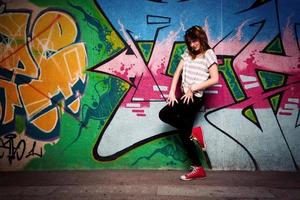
(82, 82)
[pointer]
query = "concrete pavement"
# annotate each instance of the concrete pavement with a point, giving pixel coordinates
(148, 184)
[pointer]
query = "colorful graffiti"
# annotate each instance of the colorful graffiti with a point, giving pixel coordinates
(42, 74)
(81, 84)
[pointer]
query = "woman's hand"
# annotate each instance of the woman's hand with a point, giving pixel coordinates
(172, 99)
(188, 96)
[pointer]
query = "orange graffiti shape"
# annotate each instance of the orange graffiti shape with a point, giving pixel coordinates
(51, 58)
(61, 65)
(14, 50)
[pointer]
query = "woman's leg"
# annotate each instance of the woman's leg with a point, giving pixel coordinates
(182, 116)
(190, 148)
(190, 113)
(172, 115)
(188, 118)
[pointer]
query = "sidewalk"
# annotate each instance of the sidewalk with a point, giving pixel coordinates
(148, 184)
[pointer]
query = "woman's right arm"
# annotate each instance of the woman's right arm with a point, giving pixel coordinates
(172, 97)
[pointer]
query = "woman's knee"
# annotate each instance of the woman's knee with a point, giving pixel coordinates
(162, 115)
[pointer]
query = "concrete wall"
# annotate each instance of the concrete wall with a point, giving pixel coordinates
(82, 82)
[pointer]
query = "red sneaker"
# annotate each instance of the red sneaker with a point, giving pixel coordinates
(197, 172)
(197, 135)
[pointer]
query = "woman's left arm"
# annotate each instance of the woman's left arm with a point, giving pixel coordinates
(212, 80)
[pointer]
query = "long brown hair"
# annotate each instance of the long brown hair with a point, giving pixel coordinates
(196, 33)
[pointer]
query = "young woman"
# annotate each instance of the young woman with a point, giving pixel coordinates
(199, 70)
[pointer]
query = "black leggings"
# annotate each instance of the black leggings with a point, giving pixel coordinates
(182, 117)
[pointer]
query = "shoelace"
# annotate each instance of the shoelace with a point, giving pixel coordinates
(193, 172)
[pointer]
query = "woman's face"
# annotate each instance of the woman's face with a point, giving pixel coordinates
(195, 45)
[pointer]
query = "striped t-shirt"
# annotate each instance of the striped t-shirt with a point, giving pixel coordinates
(195, 71)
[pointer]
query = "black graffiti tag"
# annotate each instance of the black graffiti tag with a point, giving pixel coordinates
(16, 151)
